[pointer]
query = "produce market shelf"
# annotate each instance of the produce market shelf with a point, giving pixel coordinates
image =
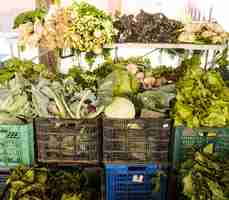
(167, 46)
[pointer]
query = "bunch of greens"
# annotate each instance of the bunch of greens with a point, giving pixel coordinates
(202, 98)
(147, 28)
(109, 65)
(26, 68)
(164, 71)
(15, 101)
(206, 176)
(158, 99)
(223, 65)
(41, 183)
(84, 79)
(64, 99)
(29, 16)
(118, 83)
(125, 78)
(27, 183)
(79, 26)
(93, 27)
(203, 33)
(22, 100)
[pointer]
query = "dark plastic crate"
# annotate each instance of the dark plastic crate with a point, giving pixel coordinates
(140, 141)
(186, 139)
(93, 179)
(124, 182)
(66, 141)
(3, 178)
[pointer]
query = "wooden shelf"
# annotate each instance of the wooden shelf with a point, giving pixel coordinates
(167, 46)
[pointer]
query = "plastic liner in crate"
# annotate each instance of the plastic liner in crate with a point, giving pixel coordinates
(135, 182)
(186, 140)
(136, 141)
(16, 145)
(67, 141)
(3, 178)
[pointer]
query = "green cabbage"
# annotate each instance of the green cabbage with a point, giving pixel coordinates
(121, 108)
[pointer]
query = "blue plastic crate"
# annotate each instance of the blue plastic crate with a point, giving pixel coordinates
(133, 182)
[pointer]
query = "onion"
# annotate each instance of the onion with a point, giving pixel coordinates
(147, 83)
(132, 68)
(158, 82)
(153, 81)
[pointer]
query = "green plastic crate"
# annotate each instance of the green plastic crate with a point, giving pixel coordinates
(16, 145)
(185, 139)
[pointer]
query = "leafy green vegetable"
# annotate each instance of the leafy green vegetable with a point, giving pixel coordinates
(223, 65)
(122, 83)
(64, 99)
(157, 100)
(120, 108)
(40, 183)
(15, 101)
(84, 79)
(26, 68)
(86, 9)
(202, 97)
(205, 177)
(29, 16)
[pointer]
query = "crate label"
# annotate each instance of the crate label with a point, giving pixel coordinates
(209, 148)
(138, 179)
(212, 134)
(134, 126)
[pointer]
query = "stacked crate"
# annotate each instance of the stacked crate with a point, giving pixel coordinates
(72, 144)
(16, 148)
(186, 138)
(134, 152)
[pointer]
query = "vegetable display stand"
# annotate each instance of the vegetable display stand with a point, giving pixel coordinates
(16, 145)
(134, 182)
(186, 139)
(66, 141)
(136, 141)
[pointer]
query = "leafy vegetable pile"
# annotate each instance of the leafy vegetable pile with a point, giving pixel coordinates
(40, 183)
(206, 176)
(80, 26)
(26, 68)
(64, 99)
(133, 80)
(223, 65)
(203, 33)
(202, 98)
(29, 90)
(22, 100)
(29, 16)
(146, 27)
(15, 104)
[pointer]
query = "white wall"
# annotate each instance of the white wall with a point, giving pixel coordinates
(11, 8)
(102, 4)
